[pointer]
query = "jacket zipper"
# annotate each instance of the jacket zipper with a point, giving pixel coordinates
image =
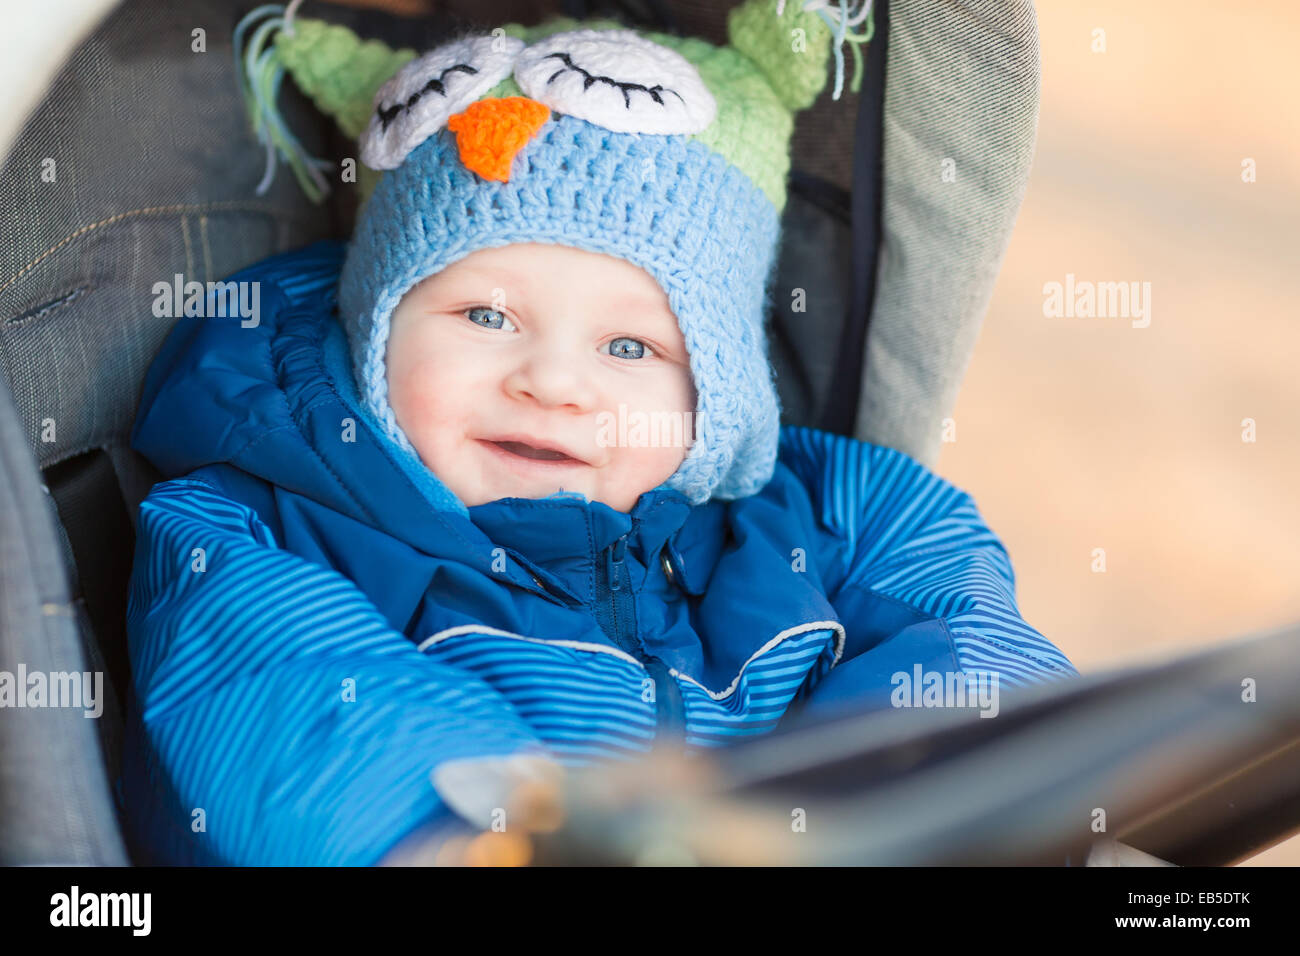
(669, 710)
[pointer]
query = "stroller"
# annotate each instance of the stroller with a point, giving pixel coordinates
(138, 161)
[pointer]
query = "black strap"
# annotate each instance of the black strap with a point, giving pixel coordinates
(841, 411)
(94, 516)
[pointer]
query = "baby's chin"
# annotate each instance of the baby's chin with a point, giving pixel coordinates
(623, 503)
(499, 490)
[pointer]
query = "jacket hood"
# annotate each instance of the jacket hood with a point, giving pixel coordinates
(274, 396)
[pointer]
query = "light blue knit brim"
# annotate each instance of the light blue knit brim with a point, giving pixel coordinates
(667, 204)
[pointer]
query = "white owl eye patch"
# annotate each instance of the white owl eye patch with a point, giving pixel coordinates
(590, 78)
(434, 85)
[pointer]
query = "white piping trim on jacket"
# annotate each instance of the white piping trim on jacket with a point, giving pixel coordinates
(789, 632)
(623, 655)
(576, 645)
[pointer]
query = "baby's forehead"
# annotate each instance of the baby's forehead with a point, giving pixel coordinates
(532, 260)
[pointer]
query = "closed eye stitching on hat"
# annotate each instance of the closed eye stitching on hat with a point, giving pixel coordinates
(386, 116)
(591, 78)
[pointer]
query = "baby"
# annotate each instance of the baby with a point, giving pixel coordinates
(401, 561)
(505, 400)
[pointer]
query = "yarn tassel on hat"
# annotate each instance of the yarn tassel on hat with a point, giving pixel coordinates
(839, 20)
(330, 64)
(260, 74)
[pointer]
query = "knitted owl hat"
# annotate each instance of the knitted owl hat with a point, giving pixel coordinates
(669, 152)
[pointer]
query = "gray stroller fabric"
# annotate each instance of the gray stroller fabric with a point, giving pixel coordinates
(962, 83)
(56, 805)
(153, 169)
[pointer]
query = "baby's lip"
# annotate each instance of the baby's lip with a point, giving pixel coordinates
(507, 440)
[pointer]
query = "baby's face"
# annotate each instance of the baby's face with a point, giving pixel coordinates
(532, 342)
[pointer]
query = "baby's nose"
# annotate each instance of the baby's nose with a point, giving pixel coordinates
(490, 132)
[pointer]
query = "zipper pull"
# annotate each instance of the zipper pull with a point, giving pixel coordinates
(614, 557)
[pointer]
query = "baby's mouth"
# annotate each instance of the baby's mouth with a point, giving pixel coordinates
(523, 450)
(528, 451)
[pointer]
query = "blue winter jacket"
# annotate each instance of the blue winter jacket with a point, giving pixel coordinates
(310, 637)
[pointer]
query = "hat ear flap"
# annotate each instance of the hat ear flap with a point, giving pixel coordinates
(792, 46)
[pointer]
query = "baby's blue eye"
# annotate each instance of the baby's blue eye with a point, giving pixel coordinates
(477, 312)
(635, 350)
(622, 347)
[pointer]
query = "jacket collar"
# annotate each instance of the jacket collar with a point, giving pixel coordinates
(560, 538)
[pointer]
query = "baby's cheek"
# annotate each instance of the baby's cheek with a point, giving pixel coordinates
(419, 394)
(656, 464)
(428, 409)
(417, 365)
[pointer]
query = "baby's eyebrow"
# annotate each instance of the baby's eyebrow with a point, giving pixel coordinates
(625, 305)
(636, 315)
(650, 310)
(643, 304)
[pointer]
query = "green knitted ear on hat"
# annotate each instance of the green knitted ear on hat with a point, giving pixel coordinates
(340, 73)
(792, 47)
(337, 70)
(774, 66)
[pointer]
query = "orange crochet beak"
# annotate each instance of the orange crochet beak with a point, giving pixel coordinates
(490, 132)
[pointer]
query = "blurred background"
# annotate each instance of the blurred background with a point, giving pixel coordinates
(1075, 434)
